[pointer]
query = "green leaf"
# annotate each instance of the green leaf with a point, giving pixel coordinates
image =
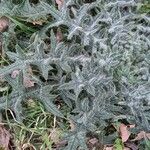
(147, 144)
(118, 144)
(17, 108)
(51, 107)
(77, 140)
(20, 52)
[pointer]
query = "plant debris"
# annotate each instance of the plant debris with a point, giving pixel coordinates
(4, 23)
(5, 138)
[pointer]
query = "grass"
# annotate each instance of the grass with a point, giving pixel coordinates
(39, 130)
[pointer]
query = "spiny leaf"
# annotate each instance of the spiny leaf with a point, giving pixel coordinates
(51, 107)
(76, 140)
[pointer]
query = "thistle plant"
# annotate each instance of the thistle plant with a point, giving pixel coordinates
(100, 68)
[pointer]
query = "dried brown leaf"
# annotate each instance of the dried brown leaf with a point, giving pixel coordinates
(28, 146)
(72, 125)
(131, 145)
(4, 23)
(126, 148)
(55, 135)
(4, 138)
(131, 126)
(14, 74)
(29, 71)
(31, 103)
(59, 3)
(38, 22)
(124, 133)
(61, 144)
(27, 82)
(142, 135)
(59, 35)
(109, 148)
(93, 141)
